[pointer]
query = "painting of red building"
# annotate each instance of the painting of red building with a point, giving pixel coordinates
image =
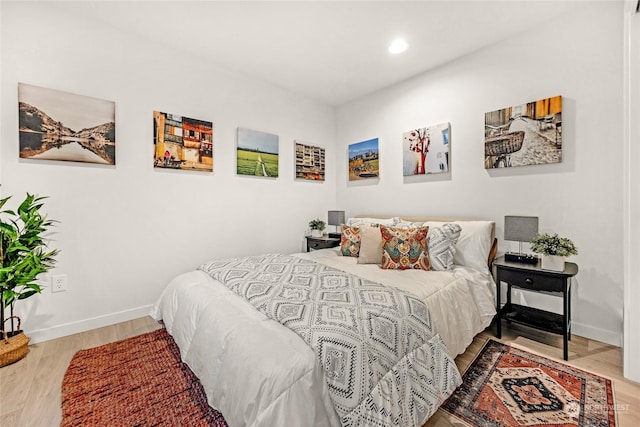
(182, 142)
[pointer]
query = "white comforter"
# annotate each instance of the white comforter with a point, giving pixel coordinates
(257, 372)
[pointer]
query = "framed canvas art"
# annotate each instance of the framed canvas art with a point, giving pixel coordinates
(257, 153)
(426, 150)
(56, 125)
(364, 160)
(522, 135)
(182, 142)
(309, 161)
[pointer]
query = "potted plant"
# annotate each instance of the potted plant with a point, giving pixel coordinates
(554, 249)
(23, 256)
(317, 227)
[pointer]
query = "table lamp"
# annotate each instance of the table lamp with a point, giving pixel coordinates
(335, 218)
(520, 229)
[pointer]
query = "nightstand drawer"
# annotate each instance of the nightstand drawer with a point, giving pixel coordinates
(533, 281)
(314, 243)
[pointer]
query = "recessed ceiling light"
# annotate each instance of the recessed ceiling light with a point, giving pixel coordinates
(398, 46)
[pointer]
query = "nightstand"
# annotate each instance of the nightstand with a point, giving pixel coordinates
(321, 242)
(532, 278)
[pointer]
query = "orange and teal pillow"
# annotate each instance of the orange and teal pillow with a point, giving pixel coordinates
(350, 240)
(404, 249)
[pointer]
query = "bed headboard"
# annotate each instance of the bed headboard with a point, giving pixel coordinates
(494, 241)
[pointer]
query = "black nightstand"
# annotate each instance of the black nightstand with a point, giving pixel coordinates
(533, 278)
(321, 242)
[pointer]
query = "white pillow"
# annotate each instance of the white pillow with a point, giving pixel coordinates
(441, 244)
(359, 222)
(405, 225)
(474, 244)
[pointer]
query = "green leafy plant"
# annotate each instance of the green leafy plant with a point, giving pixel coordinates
(552, 244)
(317, 224)
(23, 251)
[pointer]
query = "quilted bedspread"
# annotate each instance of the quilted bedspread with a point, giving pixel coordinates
(383, 361)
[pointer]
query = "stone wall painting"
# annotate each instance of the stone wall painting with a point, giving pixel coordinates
(56, 125)
(523, 135)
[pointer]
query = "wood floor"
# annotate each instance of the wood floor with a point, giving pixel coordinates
(30, 388)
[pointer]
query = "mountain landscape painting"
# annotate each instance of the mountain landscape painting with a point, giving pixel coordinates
(57, 125)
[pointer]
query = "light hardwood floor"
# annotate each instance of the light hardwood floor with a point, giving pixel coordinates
(30, 388)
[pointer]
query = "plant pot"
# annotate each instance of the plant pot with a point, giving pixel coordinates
(552, 262)
(316, 233)
(13, 348)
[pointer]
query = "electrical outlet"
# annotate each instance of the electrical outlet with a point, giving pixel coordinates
(59, 283)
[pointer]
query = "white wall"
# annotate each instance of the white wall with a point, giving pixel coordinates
(125, 230)
(578, 57)
(632, 194)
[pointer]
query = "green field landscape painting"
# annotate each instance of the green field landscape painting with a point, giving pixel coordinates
(257, 153)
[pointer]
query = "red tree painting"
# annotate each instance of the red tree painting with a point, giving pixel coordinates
(426, 150)
(419, 142)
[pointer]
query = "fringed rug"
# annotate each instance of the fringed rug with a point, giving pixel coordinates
(505, 386)
(139, 381)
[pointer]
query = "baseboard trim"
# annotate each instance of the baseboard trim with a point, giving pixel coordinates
(597, 334)
(40, 335)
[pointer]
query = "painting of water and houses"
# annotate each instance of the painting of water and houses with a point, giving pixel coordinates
(522, 135)
(257, 153)
(364, 160)
(426, 150)
(56, 125)
(182, 142)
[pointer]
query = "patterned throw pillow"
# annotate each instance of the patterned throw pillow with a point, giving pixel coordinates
(404, 249)
(350, 240)
(441, 245)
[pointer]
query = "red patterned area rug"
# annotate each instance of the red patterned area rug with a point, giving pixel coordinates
(505, 386)
(139, 381)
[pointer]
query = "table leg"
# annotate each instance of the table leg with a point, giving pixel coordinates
(508, 300)
(565, 323)
(498, 319)
(569, 308)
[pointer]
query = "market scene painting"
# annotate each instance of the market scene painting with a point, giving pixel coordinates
(56, 125)
(257, 153)
(364, 160)
(426, 150)
(309, 161)
(522, 135)
(182, 142)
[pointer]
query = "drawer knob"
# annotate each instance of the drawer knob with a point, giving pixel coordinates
(528, 281)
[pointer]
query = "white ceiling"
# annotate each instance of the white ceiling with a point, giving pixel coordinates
(332, 51)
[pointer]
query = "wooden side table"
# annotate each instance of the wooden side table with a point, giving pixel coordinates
(321, 242)
(531, 277)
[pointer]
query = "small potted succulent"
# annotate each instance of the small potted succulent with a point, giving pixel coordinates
(317, 227)
(554, 249)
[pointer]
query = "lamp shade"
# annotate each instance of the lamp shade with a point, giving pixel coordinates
(335, 217)
(520, 228)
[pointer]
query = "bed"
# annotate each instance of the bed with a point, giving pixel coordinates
(258, 372)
